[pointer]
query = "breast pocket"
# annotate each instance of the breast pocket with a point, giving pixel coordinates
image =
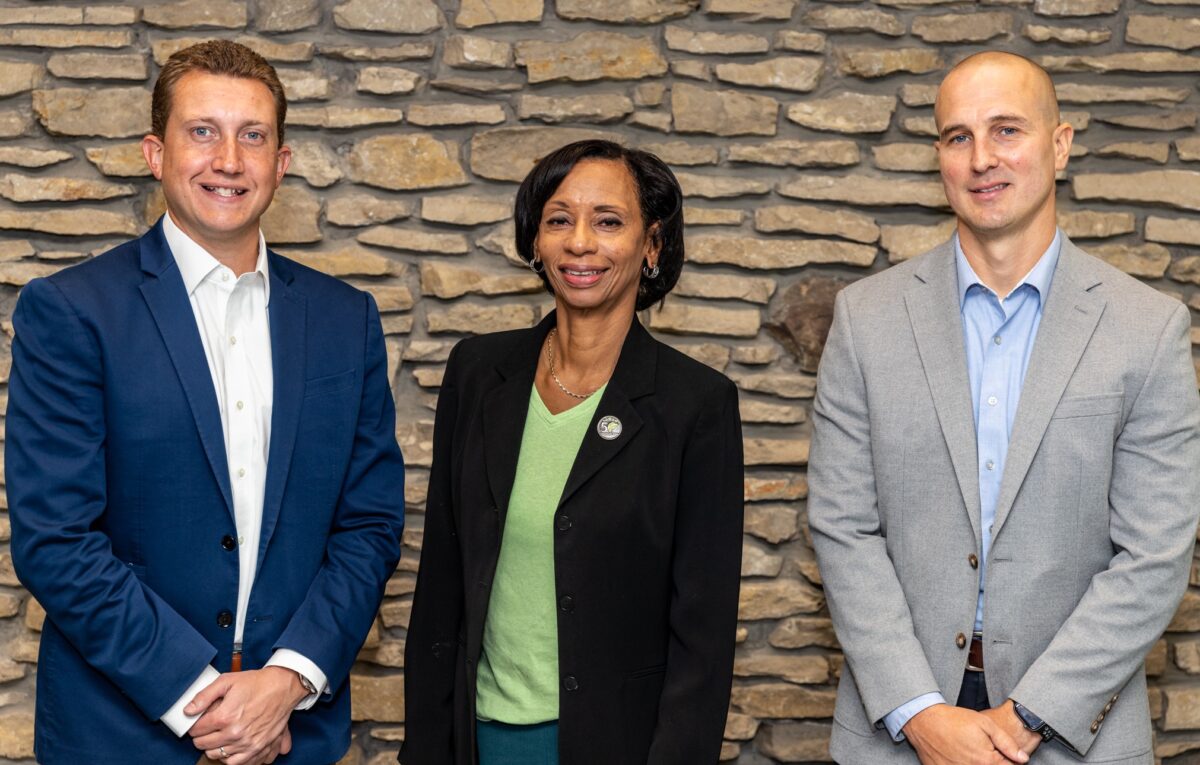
(320, 386)
(1092, 405)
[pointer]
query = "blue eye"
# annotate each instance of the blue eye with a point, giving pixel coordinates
(202, 132)
(960, 138)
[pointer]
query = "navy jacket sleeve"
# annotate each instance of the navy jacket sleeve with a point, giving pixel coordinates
(55, 464)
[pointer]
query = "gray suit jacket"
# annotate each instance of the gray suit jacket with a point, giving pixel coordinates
(1094, 526)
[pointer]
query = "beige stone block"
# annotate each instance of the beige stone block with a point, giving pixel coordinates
(35, 615)
(685, 153)
(691, 69)
(293, 217)
(1083, 93)
(729, 751)
(925, 125)
(1177, 188)
(709, 354)
(389, 653)
(906, 157)
(1075, 7)
(1077, 120)
(595, 107)
(1156, 659)
(772, 254)
(16, 735)
(796, 742)
(473, 52)
(1041, 33)
(10, 605)
(772, 523)
(833, 153)
(752, 10)
(740, 727)
(1188, 148)
(649, 94)
(694, 319)
(722, 112)
(364, 210)
(591, 56)
(391, 297)
(20, 76)
(443, 115)
(220, 14)
(448, 281)
(845, 113)
(305, 85)
(508, 154)
(816, 220)
(794, 668)
(799, 42)
(759, 488)
(712, 286)
(411, 240)
(1183, 708)
(1146, 61)
(659, 121)
(402, 52)
(471, 318)
(713, 43)
(796, 73)
(20, 273)
(377, 699)
(719, 187)
(65, 38)
(963, 27)
(1172, 230)
(1093, 224)
(108, 66)
(501, 240)
(406, 17)
(775, 599)
(429, 377)
(104, 112)
(917, 94)
(1187, 616)
(74, 221)
(880, 62)
(1186, 269)
(349, 260)
(910, 240)
(476, 86)
(783, 700)
(97, 15)
(773, 414)
(712, 216)
(340, 117)
(387, 80)
(416, 444)
(286, 15)
(775, 451)
(315, 162)
(406, 162)
(8, 575)
(755, 355)
(780, 383)
(23, 156)
(804, 631)
(1178, 119)
(24, 188)
(625, 11)
(1187, 656)
(866, 190)
(13, 249)
(478, 13)
(1144, 150)
(831, 18)
(24, 650)
(277, 52)
(426, 350)
(466, 209)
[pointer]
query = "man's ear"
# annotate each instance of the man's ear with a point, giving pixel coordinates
(283, 160)
(152, 150)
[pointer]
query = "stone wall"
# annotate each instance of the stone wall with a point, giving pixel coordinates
(799, 130)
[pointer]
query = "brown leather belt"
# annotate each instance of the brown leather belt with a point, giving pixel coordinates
(235, 663)
(975, 653)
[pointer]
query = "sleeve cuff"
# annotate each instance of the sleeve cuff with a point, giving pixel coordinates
(899, 717)
(303, 666)
(174, 718)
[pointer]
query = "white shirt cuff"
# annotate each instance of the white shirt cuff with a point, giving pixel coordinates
(174, 718)
(899, 717)
(303, 666)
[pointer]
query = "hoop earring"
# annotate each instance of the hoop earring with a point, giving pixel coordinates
(650, 272)
(533, 266)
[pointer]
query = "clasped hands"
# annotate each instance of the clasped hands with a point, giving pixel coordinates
(244, 715)
(946, 735)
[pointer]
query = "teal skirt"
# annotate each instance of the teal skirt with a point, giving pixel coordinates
(503, 744)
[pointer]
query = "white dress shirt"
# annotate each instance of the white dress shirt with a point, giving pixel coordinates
(231, 315)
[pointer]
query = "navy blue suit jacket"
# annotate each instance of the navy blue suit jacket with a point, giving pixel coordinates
(119, 499)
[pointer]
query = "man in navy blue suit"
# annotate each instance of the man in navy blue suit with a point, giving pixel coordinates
(204, 484)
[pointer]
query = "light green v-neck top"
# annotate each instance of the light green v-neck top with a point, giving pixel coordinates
(517, 681)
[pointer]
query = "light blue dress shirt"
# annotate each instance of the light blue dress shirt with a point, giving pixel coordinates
(998, 336)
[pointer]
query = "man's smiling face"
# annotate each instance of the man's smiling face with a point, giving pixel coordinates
(219, 159)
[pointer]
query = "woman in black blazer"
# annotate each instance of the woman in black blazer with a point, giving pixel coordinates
(634, 624)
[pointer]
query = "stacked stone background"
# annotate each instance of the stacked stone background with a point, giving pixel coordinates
(799, 130)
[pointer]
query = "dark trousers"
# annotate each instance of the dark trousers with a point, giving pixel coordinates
(974, 692)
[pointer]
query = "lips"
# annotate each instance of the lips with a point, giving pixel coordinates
(991, 188)
(577, 276)
(225, 192)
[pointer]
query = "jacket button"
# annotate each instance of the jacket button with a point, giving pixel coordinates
(1095, 726)
(225, 620)
(960, 640)
(973, 560)
(570, 683)
(564, 522)
(566, 603)
(228, 543)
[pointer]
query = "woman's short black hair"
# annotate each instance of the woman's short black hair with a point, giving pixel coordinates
(659, 198)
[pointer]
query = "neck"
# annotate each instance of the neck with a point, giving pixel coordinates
(237, 253)
(588, 343)
(1002, 259)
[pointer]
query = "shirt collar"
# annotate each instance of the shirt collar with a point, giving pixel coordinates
(196, 263)
(1039, 277)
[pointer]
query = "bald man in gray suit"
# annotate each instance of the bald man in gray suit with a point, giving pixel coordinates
(1005, 469)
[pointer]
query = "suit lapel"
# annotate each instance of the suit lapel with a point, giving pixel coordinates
(289, 338)
(632, 377)
(505, 408)
(1069, 318)
(933, 310)
(167, 299)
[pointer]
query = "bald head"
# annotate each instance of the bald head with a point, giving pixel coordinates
(1018, 72)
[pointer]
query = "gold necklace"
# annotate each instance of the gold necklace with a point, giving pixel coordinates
(550, 358)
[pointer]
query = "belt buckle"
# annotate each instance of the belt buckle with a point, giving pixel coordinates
(974, 636)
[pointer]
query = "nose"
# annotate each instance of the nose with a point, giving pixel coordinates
(227, 157)
(983, 156)
(581, 241)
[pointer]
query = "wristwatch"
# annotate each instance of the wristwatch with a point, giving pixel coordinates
(1032, 722)
(306, 684)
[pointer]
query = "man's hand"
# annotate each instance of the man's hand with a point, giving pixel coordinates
(247, 714)
(1006, 719)
(946, 735)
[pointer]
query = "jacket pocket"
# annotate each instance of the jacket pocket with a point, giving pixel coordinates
(1088, 406)
(319, 386)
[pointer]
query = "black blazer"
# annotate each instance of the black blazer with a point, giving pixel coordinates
(647, 552)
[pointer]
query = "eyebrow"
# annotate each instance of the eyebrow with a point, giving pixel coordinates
(600, 208)
(1018, 119)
